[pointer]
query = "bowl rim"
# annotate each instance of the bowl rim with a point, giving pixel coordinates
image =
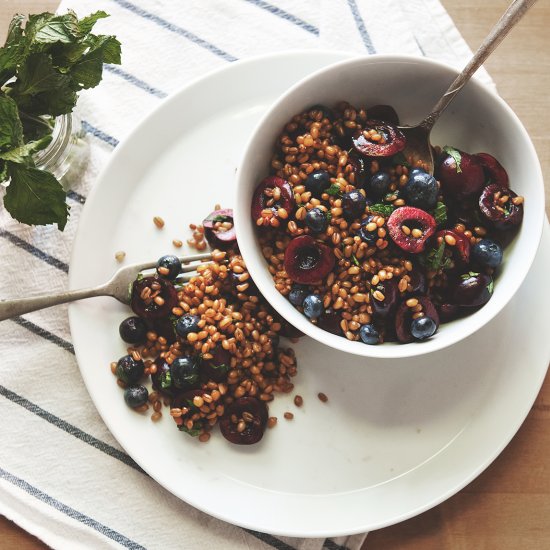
(387, 350)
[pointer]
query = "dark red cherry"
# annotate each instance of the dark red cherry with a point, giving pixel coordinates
(448, 312)
(392, 139)
(144, 292)
(387, 290)
(472, 289)
(219, 229)
(403, 318)
(162, 380)
(494, 171)
(244, 421)
(163, 327)
(360, 169)
(308, 261)
(461, 246)
(271, 195)
(184, 400)
(412, 218)
(383, 112)
(217, 367)
(329, 320)
(289, 331)
(417, 282)
(459, 173)
(501, 206)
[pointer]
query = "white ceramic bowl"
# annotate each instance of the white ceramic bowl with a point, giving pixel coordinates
(477, 120)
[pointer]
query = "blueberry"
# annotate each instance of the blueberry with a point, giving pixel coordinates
(487, 253)
(133, 330)
(370, 237)
(379, 184)
(129, 370)
(313, 306)
(316, 220)
(297, 294)
(369, 334)
(169, 267)
(136, 396)
(186, 324)
(416, 171)
(317, 182)
(423, 327)
(184, 372)
(353, 204)
(421, 190)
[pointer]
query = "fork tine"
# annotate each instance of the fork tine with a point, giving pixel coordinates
(182, 259)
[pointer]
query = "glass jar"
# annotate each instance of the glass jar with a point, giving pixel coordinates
(68, 151)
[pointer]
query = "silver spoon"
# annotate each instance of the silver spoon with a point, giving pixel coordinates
(418, 136)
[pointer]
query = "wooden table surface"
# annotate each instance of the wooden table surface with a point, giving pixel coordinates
(508, 506)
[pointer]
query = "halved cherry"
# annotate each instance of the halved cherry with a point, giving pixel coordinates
(457, 243)
(460, 173)
(219, 229)
(379, 139)
(383, 297)
(272, 196)
(404, 314)
(501, 206)
(153, 297)
(244, 421)
(383, 112)
(402, 224)
(308, 261)
(493, 169)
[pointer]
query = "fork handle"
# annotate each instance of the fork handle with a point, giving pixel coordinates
(13, 308)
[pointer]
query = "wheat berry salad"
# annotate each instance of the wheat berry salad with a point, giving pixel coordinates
(366, 243)
(210, 346)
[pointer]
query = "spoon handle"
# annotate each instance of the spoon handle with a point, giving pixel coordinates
(516, 10)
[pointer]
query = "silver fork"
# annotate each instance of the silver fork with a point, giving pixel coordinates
(118, 287)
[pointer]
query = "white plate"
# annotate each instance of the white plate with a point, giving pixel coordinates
(396, 437)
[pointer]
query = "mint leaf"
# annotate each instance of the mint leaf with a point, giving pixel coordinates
(3, 171)
(355, 260)
(86, 24)
(13, 51)
(440, 213)
(88, 72)
(194, 431)
(435, 259)
(38, 75)
(47, 28)
(21, 154)
(334, 190)
(55, 102)
(451, 151)
(35, 197)
(165, 380)
(11, 129)
(381, 209)
(491, 286)
(40, 89)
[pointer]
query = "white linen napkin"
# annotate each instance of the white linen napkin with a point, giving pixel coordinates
(63, 477)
